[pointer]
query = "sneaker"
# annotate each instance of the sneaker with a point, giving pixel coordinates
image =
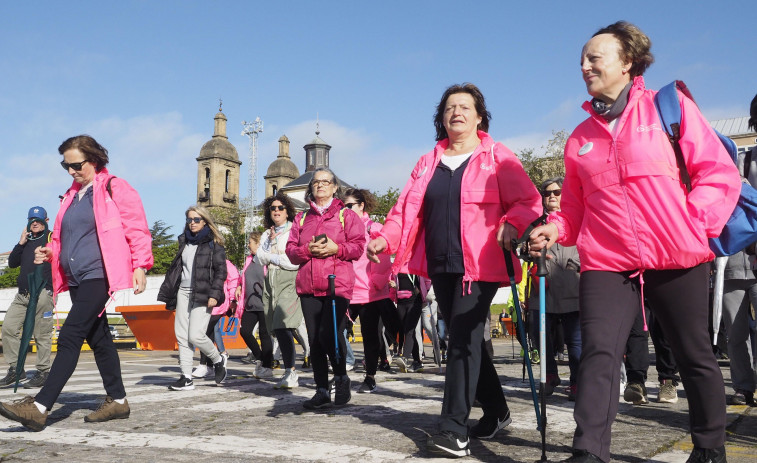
(552, 381)
(385, 366)
(225, 354)
(220, 370)
(321, 399)
(38, 380)
(489, 425)
(182, 384)
(262, 372)
(203, 371)
(571, 391)
(249, 359)
(635, 393)
(25, 412)
(700, 455)
(582, 456)
(342, 393)
(11, 377)
(449, 443)
(290, 380)
(416, 367)
(444, 356)
(368, 386)
(741, 398)
(306, 362)
(109, 410)
(350, 366)
(667, 393)
(401, 364)
(276, 365)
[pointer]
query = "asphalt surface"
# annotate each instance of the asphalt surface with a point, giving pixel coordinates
(247, 419)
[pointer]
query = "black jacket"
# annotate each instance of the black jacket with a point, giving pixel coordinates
(22, 256)
(208, 274)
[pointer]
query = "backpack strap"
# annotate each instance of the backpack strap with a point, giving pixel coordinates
(108, 187)
(747, 163)
(669, 110)
(341, 217)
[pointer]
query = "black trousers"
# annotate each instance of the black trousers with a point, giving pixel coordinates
(319, 320)
(85, 322)
(470, 371)
(264, 351)
(637, 352)
(610, 302)
(286, 344)
(410, 311)
(371, 315)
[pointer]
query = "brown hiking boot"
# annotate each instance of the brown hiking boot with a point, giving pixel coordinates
(109, 410)
(25, 412)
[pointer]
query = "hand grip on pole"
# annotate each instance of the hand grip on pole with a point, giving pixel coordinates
(332, 285)
(541, 263)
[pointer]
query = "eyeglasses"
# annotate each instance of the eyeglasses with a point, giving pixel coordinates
(77, 166)
(194, 219)
(549, 193)
(280, 208)
(322, 182)
(350, 205)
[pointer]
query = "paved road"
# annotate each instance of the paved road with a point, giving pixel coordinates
(246, 419)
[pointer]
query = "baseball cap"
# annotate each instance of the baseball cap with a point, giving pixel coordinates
(37, 212)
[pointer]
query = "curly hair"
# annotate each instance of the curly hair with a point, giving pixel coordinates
(478, 99)
(635, 46)
(284, 200)
(363, 196)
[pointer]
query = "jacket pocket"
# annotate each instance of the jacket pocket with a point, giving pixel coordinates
(480, 196)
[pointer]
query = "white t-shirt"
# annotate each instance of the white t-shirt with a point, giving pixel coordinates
(453, 162)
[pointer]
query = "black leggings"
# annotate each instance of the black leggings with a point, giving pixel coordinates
(285, 336)
(319, 320)
(410, 311)
(246, 330)
(370, 315)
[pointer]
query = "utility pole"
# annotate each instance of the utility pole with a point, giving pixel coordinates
(252, 130)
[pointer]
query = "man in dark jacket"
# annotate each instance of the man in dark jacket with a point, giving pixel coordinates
(35, 234)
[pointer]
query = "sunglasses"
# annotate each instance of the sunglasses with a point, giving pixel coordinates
(194, 219)
(547, 194)
(77, 166)
(350, 205)
(280, 208)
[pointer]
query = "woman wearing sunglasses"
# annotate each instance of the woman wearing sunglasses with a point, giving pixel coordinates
(281, 304)
(100, 244)
(193, 287)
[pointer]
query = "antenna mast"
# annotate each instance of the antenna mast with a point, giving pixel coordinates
(252, 130)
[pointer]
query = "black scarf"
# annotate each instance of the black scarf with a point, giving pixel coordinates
(196, 239)
(612, 111)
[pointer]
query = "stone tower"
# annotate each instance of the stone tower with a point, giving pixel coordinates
(316, 153)
(218, 170)
(281, 171)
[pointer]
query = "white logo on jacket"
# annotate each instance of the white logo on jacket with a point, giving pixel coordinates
(586, 148)
(648, 128)
(486, 166)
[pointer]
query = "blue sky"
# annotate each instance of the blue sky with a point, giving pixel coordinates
(144, 78)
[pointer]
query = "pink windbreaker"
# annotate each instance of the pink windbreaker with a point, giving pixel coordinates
(495, 189)
(623, 203)
(371, 280)
(125, 240)
(229, 288)
(312, 277)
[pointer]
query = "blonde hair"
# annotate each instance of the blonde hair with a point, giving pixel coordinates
(205, 215)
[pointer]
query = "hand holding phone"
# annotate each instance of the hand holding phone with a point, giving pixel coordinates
(321, 238)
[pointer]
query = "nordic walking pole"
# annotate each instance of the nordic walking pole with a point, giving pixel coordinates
(541, 272)
(521, 328)
(332, 292)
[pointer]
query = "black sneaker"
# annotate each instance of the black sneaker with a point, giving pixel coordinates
(582, 456)
(321, 399)
(342, 393)
(416, 367)
(38, 380)
(220, 370)
(182, 384)
(276, 365)
(249, 359)
(385, 366)
(449, 443)
(306, 362)
(489, 425)
(368, 386)
(11, 377)
(700, 455)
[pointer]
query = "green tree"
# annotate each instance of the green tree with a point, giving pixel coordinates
(550, 163)
(160, 235)
(9, 278)
(231, 224)
(384, 203)
(164, 248)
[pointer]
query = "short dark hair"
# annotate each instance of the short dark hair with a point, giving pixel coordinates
(478, 98)
(635, 46)
(309, 191)
(550, 181)
(255, 236)
(92, 151)
(753, 114)
(363, 196)
(285, 201)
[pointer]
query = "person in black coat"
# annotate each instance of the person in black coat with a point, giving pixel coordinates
(193, 286)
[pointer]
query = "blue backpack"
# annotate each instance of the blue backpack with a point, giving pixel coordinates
(741, 229)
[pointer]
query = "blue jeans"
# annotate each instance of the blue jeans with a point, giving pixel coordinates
(572, 334)
(349, 356)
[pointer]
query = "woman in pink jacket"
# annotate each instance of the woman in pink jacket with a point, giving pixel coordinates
(100, 244)
(323, 241)
(640, 235)
(465, 200)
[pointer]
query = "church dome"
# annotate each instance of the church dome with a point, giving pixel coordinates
(219, 146)
(283, 167)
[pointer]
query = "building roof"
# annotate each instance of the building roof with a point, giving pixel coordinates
(282, 167)
(303, 180)
(733, 127)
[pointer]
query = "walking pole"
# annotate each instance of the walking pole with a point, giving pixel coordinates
(541, 272)
(522, 329)
(332, 292)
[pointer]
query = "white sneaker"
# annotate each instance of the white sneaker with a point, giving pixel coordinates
(350, 366)
(203, 371)
(262, 372)
(289, 380)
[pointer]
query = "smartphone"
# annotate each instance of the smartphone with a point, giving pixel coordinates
(321, 238)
